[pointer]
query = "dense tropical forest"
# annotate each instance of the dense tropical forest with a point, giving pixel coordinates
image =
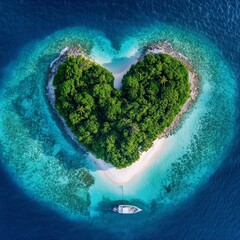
(117, 125)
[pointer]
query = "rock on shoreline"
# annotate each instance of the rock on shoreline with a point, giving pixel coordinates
(54, 67)
(50, 88)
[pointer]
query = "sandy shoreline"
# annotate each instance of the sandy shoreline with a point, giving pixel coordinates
(122, 176)
(121, 67)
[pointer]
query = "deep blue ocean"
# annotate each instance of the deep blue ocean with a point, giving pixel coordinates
(213, 211)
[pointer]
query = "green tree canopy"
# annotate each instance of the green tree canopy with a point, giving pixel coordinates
(117, 125)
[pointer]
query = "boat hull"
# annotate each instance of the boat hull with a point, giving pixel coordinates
(126, 209)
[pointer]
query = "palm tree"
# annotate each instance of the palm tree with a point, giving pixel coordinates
(81, 109)
(164, 80)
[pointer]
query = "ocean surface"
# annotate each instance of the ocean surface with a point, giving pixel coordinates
(192, 189)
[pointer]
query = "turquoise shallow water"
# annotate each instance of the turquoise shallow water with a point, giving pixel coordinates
(50, 168)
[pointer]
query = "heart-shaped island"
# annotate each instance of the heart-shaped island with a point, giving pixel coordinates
(117, 125)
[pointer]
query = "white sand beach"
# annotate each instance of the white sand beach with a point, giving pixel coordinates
(120, 66)
(121, 176)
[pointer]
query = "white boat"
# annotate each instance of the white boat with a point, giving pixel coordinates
(126, 209)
